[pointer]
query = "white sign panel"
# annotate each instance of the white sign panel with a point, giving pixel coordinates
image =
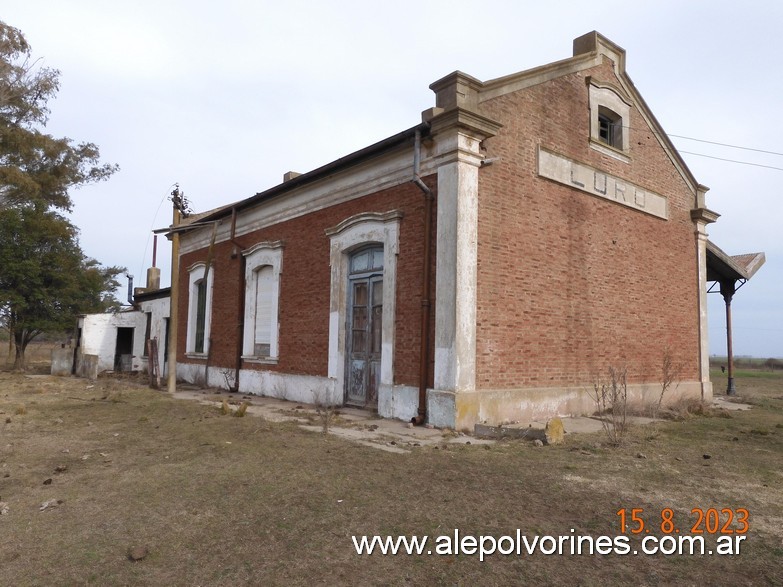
(600, 184)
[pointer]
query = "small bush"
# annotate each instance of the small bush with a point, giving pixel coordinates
(610, 395)
(224, 409)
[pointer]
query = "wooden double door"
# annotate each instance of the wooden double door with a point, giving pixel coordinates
(365, 326)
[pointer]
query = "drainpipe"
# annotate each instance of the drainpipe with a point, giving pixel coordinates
(130, 289)
(240, 301)
(424, 352)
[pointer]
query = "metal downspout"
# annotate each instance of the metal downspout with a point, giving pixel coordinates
(241, 300)
(131, 302)
(424, 351)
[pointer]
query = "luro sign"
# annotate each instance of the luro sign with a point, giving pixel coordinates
(597, 183)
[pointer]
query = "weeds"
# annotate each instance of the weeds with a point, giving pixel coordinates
(610, 395)
(326, 410)
(225, 409)
(670, 376)
(229, 375)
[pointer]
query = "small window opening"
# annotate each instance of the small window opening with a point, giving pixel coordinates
(610, 128)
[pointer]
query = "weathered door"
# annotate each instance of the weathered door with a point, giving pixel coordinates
(365, 324)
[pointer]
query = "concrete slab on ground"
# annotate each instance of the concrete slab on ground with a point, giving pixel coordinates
(727, 403)
(366, 428)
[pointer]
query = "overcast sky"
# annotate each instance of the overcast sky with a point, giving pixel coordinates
(224, 97)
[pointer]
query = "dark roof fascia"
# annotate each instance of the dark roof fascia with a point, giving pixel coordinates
(354, 158)
(164, 292)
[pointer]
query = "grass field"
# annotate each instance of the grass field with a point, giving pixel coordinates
(215, 500)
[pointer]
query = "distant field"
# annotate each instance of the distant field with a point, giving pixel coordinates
(769, 364)
(38, 355)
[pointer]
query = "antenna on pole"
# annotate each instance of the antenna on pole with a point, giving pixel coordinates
(181, 210)
(180, 202)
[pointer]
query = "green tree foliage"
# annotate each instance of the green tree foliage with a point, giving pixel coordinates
(45, 279)
(35, 165)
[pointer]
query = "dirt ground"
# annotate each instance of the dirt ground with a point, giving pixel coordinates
(95, 474)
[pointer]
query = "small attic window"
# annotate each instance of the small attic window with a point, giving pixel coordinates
(610, 117)
(610, 127)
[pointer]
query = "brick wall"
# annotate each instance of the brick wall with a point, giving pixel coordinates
(304, 287)
(569, 283)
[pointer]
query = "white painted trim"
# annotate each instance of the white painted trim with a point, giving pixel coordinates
(704, 338)
(348, 236)
(382, 172)
(611, 98)
(260, 255)
(456, 267)
(195, 273)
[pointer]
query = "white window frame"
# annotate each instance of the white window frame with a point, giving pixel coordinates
(195, 274)
(352, 234)
(607, 97)
(260, 255)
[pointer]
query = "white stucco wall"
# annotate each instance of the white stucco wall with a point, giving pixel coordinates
(99, 333)
(99, 336)
(160, 309)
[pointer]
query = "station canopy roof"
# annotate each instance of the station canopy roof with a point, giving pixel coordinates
(724, 267)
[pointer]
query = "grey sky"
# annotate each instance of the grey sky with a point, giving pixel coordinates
(224, 97)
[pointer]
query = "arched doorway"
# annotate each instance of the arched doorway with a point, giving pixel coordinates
(364, 326)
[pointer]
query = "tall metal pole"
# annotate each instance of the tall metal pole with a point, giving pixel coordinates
(727, 289)
(174, 300)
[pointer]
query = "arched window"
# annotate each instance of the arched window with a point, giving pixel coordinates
(610, 120)
(199, 309)
(263, 267)
(262, 337)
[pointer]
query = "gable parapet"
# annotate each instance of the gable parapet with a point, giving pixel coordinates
(595, 42)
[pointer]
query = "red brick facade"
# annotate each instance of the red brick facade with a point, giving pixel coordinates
(562, 283)
(304, 294)
(568, 283)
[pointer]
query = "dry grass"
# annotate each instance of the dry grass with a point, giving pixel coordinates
(240, 501)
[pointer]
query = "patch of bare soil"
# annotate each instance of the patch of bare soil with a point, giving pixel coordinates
(111, 483)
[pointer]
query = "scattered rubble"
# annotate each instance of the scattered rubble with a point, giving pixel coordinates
(137, 553)
(50, 504)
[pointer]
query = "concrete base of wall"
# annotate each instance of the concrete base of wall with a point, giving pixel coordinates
(400, 402)
(397, 401)
(445, 409)
(441, 408)
(87, 366)
(496, 407)
(62, 362)
(296, 388)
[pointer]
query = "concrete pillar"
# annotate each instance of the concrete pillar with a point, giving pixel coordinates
(457, 132)
(701, 217)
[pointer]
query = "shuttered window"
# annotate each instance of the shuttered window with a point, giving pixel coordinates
(264, 298)
(263, 270)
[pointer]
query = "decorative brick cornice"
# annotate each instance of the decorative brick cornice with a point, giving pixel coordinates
(466, 120)
(704, 215)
